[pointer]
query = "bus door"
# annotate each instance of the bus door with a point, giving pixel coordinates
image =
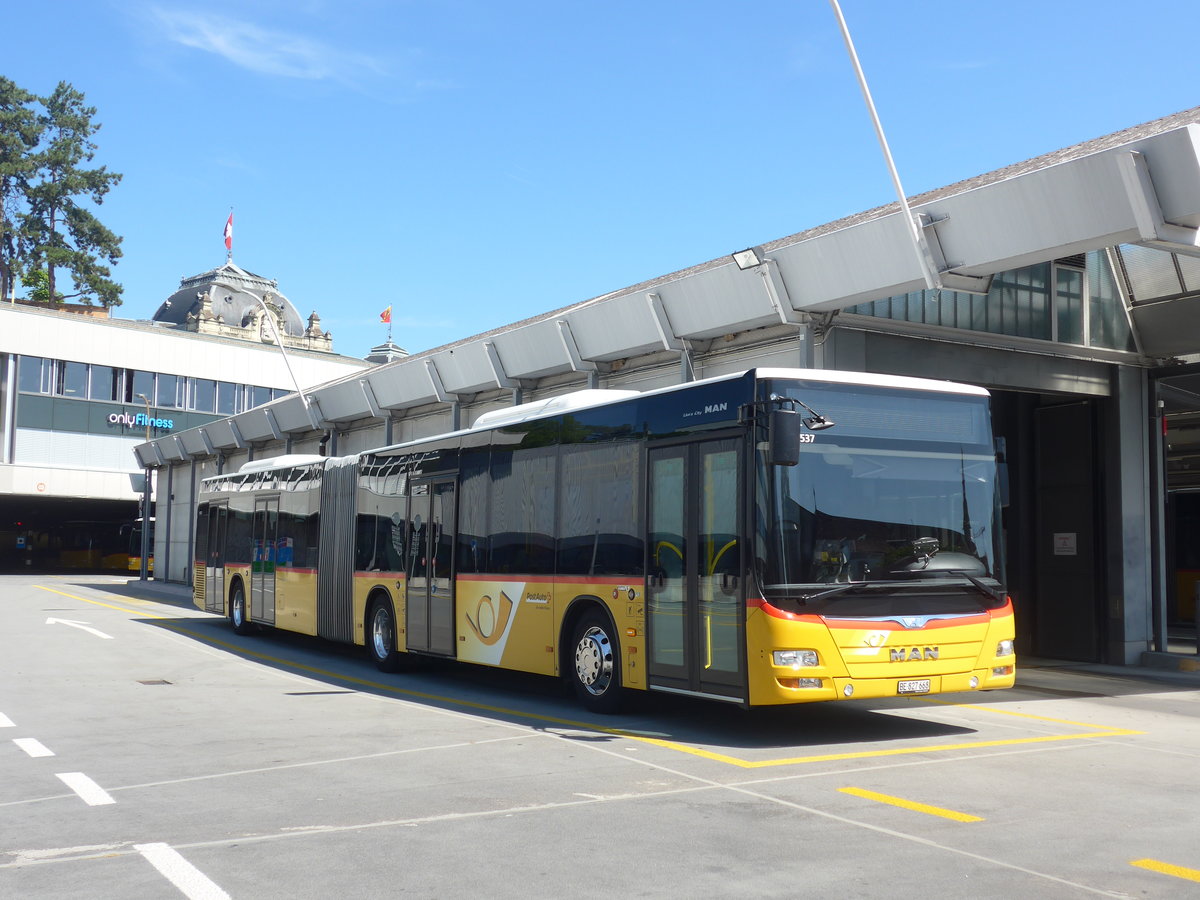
(214, 562)
(265, 531)
(430, 604)
(695, 601)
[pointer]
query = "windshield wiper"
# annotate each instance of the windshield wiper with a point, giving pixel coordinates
(998, 596)
(843, 588)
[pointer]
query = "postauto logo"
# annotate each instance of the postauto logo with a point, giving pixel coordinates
(141, 420)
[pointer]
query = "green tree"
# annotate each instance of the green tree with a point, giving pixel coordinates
(38, 284)
(20, 132)
(60, 232)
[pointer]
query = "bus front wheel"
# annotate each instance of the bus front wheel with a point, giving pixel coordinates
(595, 664)
(381, 637)
(237, 611)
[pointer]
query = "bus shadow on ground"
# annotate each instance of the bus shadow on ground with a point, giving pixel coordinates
(546, 703)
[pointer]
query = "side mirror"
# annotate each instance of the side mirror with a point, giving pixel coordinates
(783, 439)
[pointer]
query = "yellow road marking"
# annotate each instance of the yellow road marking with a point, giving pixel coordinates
(135, 612)
(1098, 732)
(1167, 869)
(910, 804)
(633, 736)
(1013, 712)
(875, 754)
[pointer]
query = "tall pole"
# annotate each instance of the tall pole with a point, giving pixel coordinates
(144, 567)
(287, 362)
(931, 280)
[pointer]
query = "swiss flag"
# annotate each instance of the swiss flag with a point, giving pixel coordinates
(229, 232)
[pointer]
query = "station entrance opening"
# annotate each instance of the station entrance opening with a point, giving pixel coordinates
(64, 534)
(1051, 521)
(1178, 394)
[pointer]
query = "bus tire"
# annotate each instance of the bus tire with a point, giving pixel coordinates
(381, 637)
(237, 610)
(594, 666)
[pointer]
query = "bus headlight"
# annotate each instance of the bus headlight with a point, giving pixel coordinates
(1004, 648)
(796, 659)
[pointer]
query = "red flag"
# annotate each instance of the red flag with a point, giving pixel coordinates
(386, 316)
(229, 233)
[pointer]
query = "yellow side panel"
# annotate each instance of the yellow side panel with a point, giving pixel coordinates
(510, 624)
(515, 624)
(365, 584)
(296, 600)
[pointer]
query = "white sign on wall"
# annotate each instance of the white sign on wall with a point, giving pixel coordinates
(1066, 543)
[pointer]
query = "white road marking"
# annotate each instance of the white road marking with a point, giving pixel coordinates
(82, 626)
(191, 881)
(6, 722)
(33, 747)
(89, 792)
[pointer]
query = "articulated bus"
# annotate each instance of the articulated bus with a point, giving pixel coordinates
(778, 536)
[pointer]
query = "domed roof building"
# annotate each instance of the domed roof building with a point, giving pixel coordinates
(229, 301)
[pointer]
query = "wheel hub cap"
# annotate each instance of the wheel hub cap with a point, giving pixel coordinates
(593, 661)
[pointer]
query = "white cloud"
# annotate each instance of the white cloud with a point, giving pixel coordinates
(263, 50)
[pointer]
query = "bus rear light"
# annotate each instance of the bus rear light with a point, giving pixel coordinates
(799, 682)
(796, 659)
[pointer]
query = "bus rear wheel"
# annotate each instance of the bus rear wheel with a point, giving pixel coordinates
(237, 611)
(381, 637)
(595, 664)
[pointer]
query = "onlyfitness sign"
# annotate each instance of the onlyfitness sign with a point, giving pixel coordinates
(141, 420)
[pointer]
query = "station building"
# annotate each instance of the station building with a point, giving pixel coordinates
(81, 389)
(1068, 285)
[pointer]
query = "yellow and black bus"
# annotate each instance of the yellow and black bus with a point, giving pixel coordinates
(777, 536)
(132, 536)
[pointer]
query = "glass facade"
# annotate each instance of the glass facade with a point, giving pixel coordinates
(1070, 301)
(83, 381)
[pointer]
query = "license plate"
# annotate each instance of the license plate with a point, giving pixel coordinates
(920, 686)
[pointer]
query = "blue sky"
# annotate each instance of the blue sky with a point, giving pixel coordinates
(475, 163)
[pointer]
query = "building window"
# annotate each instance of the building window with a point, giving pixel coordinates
(259, 396)
(143, 386)
(167, 395)
(203, 394)
(227, 398)
(70, 379)
(1069, 304)
(33, 375)
(106, 383)
(1070, 301)
(1108, 323)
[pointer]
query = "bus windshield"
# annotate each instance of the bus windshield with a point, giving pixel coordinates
(899, 497)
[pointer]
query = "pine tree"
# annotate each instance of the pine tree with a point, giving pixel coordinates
(20, 132)
(61, 233)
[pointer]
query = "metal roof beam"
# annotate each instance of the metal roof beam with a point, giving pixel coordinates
(369, 396)
(502, 378)
(662, 322)
(1153, 228)
(435, 379)
(206, 441)
(238, 440)
(273, 424)
(578, 363)
(946, 276)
